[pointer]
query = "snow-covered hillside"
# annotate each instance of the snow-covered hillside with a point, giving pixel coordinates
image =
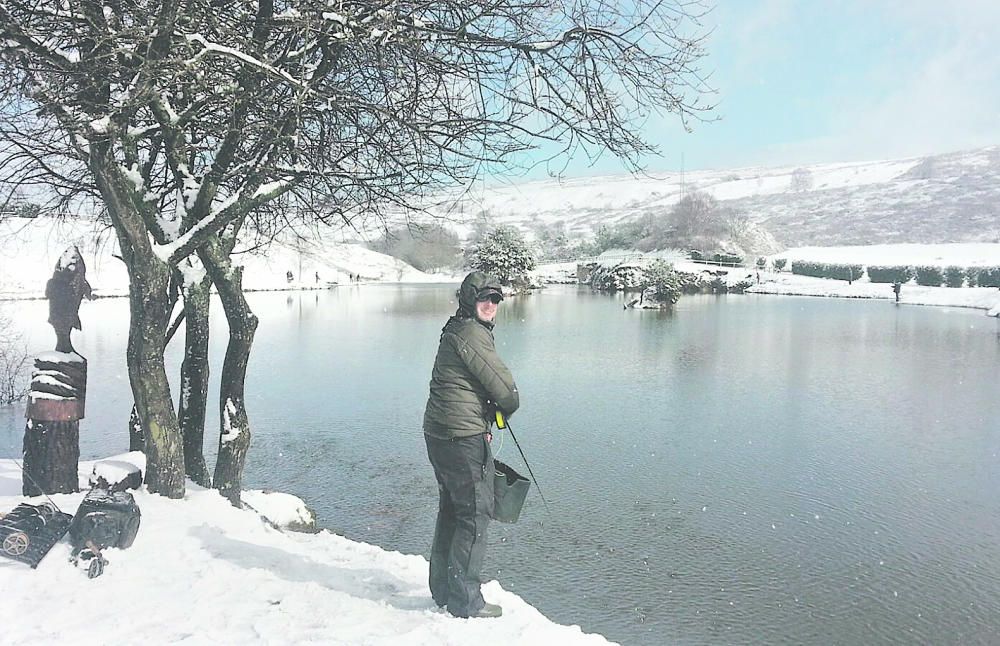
(953, 197)
(29, 249)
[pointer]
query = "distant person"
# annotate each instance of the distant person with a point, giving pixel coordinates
(289, 276)
(469, 383)
(896, 287)
(317, 278)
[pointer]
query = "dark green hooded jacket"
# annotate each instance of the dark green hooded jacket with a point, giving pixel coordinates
(469, 381)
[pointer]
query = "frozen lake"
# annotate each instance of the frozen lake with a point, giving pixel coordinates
(746, 469)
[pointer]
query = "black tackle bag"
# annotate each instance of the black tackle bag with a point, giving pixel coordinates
(509, 491)
(28, 532)
(105, 519)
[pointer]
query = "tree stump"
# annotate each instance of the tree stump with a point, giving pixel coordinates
(56, 405)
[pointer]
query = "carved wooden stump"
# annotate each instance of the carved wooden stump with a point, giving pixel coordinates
(52, 433)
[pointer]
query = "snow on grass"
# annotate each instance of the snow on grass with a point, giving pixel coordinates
(203, 572)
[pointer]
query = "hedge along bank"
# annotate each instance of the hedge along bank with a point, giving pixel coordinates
(926, 275)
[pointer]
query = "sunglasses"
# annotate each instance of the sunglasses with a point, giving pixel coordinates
(493, 298)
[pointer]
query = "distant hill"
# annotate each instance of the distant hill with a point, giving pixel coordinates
(29, 249)
(952, 197)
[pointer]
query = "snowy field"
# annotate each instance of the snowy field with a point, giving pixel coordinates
(29, 250)
(202, 572)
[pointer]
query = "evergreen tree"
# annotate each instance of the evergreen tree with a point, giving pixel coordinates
(661, 282)
(503, 253)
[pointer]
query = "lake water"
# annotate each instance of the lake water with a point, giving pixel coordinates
(742, 470)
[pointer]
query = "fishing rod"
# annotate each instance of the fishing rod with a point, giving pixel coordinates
(504, 424)
(32, 480)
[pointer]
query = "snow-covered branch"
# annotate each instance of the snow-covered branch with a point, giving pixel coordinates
(256, 63)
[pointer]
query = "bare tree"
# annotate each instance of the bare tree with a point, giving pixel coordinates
(802, 180)
(13, 364)
(697, 217)
(186, 120)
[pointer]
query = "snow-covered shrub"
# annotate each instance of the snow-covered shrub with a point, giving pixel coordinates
(727, 258)
(987, 277)
(808, 268)
(661, 283)
(694, 283)
(740, 287)
(503, 253)
(929, 276)
(954, 276)
(972, 276)
(889, 274)
(779, 263)
(827, 270)
(842, 272)
(616, 278)
(719, 285)
(761, 262)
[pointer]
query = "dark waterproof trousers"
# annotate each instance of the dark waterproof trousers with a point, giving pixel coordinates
(464, 471)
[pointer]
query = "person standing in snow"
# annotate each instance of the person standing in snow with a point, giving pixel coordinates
(469, 383)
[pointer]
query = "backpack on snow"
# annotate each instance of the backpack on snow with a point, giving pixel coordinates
(105, 519)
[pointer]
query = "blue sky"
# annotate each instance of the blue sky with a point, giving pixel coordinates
(809, 81)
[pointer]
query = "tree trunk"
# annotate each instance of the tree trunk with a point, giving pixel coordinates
(234, 439)
(149, 304)
(194, 380)
(149, 307)
(136, 442)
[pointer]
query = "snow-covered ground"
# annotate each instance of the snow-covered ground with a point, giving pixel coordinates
(942, 255)
(29, 249)
(786, 283)
(203, 572)
(984, 298)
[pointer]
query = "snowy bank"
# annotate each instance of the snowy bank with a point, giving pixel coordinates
(983, 298)
(203, 572)
(788, 284)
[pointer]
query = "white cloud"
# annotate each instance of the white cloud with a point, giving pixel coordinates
(948, 100)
